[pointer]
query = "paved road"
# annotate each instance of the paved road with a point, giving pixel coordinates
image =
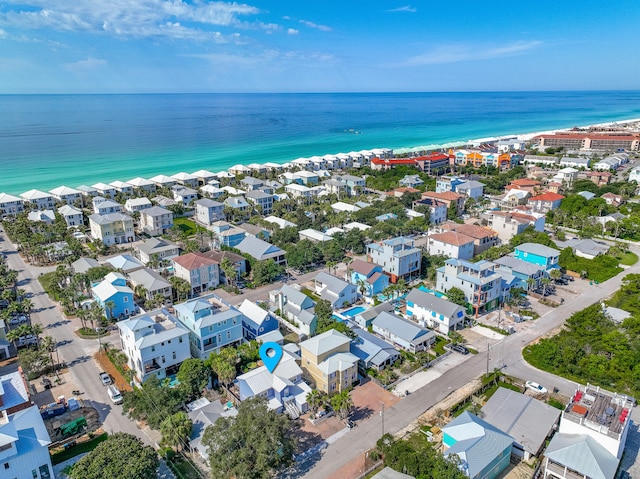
(364, 437)
(77, 353)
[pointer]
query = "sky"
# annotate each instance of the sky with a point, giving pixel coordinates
(148, 46)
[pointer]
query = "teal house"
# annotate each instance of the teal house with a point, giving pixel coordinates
(113, 294)
(538, 254)
(484, 451)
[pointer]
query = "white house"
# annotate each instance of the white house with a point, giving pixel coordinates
(122, 187)
(152, 283)
(451, 244)
(402, 332)
(72, 215)
(39, 199)
(156, 220)
(67, 195)
(155, 343)
(114, 228)
(104, 206)
(10, 205)
(209, 211)
(184, 195)
(156, 248)
(142, 184)
(433, 312)
(137, 204)
(338, 292)
(471, 189)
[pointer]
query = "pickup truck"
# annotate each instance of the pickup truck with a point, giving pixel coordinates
(105, 378)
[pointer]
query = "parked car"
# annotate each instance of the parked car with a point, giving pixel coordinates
(459, 348)
(105, 378)
(28, 340)
(535, 387)
(568, 277)
(561, 281)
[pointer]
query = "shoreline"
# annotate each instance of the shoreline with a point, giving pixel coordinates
(401, 150)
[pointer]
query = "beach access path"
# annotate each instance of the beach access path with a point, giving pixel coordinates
(344, 458)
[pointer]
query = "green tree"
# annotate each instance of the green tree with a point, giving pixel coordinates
(121, 456)
(323, 310)
(193, 376)
(255, 444)
(152, 402)
(316, 399)
(342, 403)
(457, 296)
(176, 430)
(265, 272)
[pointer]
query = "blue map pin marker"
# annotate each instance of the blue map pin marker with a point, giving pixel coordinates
(271, 353)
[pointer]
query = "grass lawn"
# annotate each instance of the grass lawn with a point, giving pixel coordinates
(188, 226)
(628, 259)
(184, 468)
(86, 446)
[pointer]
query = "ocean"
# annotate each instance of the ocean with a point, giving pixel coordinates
(52, 140)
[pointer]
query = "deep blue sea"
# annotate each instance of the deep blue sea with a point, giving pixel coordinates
(50, 140)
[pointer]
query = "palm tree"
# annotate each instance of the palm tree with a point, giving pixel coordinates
(555, 274)
(36, 330)
(362, 286)
(176, 429)
(315, 399)
(530, 283)
(27, 306)
(229, 271)
(109, 305)
(342, 404)
(545, 282)
(49, 345)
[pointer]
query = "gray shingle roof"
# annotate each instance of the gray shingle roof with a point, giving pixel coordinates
(538, 249)
(402, 328)
(432, 302)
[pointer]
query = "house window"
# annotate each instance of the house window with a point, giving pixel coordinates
(180, 339)
(6, 465)
(210, 328)
(173, 355)
(153, 348)
(228, 334)
(219, 338)
(125, 299)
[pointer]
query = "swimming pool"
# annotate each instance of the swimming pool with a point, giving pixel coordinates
(172, 381)
(437, 293)
(353, 311)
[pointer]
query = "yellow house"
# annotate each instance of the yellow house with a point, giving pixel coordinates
(326, 358)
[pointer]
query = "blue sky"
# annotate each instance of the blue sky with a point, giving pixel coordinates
(82, 46)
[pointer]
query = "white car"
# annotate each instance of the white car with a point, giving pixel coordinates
(536, 387)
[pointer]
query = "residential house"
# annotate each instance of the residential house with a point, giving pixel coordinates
(449, 198)
(261, 250)
(327, 360)
(388, 473)
(356, 225)
(104, 206)
(69, 196)
(335, 187)
(355, 185)
(87, 192)
(105, 190)
(446, 183)
(600, 178)
(156, 250)
(261, 199)
(587, 195)
(238, 203)
(125, 263)
(256, 321)
(255, 230)
(114, 228)
(612, 199)
(142, 185)
(522, 271)
(205, 177)
(197, 269)
(586, 248)
(403, 333)
(156, 220)
(82, 265)
(528, 420)
(284, 388)
(567, 176)
(479, 282)
(545, 202)
(187, 180)
(483, 237)
(398, 257)
(280, 222)
(538, 254)
(437, 209)
(296, 307)
(578, 162)
(155, 343)
(39, 199)
(338, 292)
(151, 284)
(122, 187)
(227, 234)
(184, 195)
(308, 178)
(386, 217)
(368, 277)
(513, 198)
(592, 435)
(238, 262)
(471, 189)
(540, 160)
(299, 191)
(434, 312)
(484, 451)
(72, 215)
(24, 442)
(451, 244)
(341, 206)
(209, 211)
(137, 204)
(366, 317)
(10, 205)
(212, 191)
(634, 174)
(113, 294)
(372, 352)
(251, 184)
(47, 217)
(204, 413)
(510, 224)
(526, 184)
(212, 326)
(400, 192)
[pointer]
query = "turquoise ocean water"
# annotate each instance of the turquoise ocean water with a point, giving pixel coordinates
(50, 140)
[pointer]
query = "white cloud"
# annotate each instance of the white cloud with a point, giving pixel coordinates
(292, 31)
(309, 24)
(406, 8)
(87, 65)
(131, 18)
(456, 53)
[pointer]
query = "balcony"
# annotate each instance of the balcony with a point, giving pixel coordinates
(151, 366)
(563, 472)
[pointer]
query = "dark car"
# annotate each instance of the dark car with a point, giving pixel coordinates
(568, 277)
(561, 281)
(459, 348)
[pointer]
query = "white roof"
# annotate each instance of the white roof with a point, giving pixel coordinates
(140, 182)
(120, 184)
(279, 221)
(356, 225)
(7, 198)
(34, 195)
(182, 176)
(63, 191)
(315, 235)
(203, 174)
(325, 342)
(261, 380)
(162, 179)
(341, 206)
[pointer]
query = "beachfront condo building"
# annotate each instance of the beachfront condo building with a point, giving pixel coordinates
(114, 228)
(156, 220)
(39, 199)
(69, 196)
(10, 205)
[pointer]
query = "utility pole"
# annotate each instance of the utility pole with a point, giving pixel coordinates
(382, 416)
(488, 351)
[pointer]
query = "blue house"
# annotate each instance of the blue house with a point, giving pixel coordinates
(113, 294)
(211, 326)
(255, 320)
(538, 254)
(484, 450)
(375, 281)
(522, 270)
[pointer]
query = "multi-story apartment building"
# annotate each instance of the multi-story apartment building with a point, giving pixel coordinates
(398, 257)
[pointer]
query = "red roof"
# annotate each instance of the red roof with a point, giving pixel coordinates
(191, 261)
(525, 182)
(433, 157)
(393, 161)
(547, 197)
(452, 237)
